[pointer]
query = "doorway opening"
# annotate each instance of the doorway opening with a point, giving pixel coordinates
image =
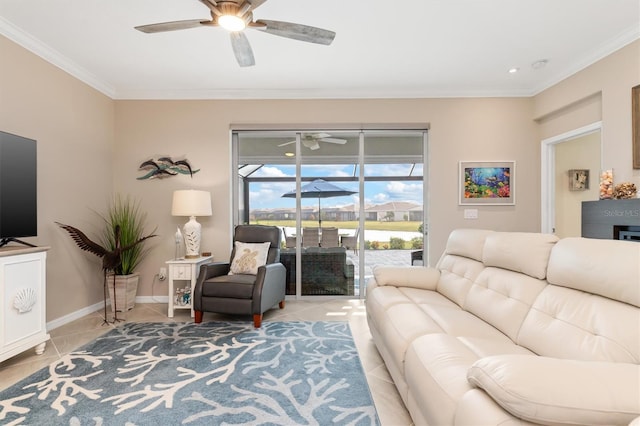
(579, 149)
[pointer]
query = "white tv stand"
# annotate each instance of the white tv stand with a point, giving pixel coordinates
(23, 300)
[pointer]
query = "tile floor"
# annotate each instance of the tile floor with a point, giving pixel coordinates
(391, 410)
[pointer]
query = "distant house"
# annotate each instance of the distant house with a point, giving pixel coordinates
(394, 211)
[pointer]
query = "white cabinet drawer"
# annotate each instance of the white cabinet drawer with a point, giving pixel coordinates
(181, 272)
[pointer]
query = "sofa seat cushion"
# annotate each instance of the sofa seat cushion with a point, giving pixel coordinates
(477, 404)
(403, 324)
(555, 391)
(459, 323)
(436, 368)
(230, 286)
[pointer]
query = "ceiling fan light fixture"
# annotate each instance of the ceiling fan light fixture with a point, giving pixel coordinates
(232, 23)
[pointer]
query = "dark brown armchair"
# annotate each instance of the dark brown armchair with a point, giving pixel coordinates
(242, 293)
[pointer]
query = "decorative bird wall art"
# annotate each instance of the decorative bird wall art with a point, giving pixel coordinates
(165, 167)
(110, 258)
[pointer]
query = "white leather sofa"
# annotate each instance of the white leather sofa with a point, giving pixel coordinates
(513, 328)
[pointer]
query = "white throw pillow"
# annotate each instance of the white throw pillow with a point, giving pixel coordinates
(249, 257)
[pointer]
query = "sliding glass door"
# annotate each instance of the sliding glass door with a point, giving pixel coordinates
(345, 200)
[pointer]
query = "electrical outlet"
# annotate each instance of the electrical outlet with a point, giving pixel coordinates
(163, 274)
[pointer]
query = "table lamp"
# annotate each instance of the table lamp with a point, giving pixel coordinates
(192, 203)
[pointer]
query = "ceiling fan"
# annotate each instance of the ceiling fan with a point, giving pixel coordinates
(311, 140)
(235, 16)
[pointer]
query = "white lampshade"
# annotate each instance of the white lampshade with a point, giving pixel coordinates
(191, 202)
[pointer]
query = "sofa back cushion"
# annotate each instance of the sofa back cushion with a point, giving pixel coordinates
(503, 298)
(461, 263)
(589, 310)
(609, 268)
(467, 243)
(573, 324)
(523, 252)
(515, 268)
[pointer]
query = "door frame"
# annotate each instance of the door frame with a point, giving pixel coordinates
(548, 172)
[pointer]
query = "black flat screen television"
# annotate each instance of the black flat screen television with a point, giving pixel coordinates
(18, 191)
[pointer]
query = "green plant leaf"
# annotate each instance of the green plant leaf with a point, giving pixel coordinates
(125, 212)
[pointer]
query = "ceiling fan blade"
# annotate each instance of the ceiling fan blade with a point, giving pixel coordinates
(334, 140)
(317, 135)
(312, 144)
(287, 143)
(297, 31)
(171, 26)
(255, 3)
(242, 49)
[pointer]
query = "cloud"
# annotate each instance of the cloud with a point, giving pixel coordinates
(269, 195)
(380, 197)
(405, 191)
(268, 171)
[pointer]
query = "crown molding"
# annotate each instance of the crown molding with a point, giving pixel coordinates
(54, 57)
(599, 52)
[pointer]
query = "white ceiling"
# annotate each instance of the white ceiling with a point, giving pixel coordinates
(409, 48)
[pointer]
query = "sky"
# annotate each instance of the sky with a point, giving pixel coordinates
(269, 195)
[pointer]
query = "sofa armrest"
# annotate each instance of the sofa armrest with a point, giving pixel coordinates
(560, 391)
(407, 276)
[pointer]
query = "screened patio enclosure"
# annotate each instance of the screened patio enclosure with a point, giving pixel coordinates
(331, 241)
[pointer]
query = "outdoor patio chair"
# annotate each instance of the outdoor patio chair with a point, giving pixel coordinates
(289, 241)
(310, 237)
(329, 238)
(350, 242)
(252, 282)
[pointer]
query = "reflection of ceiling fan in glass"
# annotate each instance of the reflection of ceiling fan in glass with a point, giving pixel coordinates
(235, 16)
(311, 140)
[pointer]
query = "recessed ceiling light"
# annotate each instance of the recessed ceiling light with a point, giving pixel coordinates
(513, 70)
(539, 64)
(289, 154)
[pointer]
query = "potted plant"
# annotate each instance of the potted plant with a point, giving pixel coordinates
(125, 217)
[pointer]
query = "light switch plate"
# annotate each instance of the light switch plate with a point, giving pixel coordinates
(470, 213)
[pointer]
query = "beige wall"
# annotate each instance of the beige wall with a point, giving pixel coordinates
(91, 146)
(573, 103)
(74, 128)
(467, 129)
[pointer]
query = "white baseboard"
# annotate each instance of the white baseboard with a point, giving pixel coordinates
(152, 299)
(59, 322)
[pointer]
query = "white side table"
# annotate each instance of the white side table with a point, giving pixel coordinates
(184, 270)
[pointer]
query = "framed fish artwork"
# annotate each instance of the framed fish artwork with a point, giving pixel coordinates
(487, 183)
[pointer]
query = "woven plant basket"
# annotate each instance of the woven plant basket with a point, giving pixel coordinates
(126, 290)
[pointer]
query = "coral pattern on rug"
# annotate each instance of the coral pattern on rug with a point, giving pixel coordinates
(285, 373)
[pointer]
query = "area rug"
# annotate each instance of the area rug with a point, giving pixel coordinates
(217, 373)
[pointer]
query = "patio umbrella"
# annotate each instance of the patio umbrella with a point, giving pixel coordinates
(320, 189)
